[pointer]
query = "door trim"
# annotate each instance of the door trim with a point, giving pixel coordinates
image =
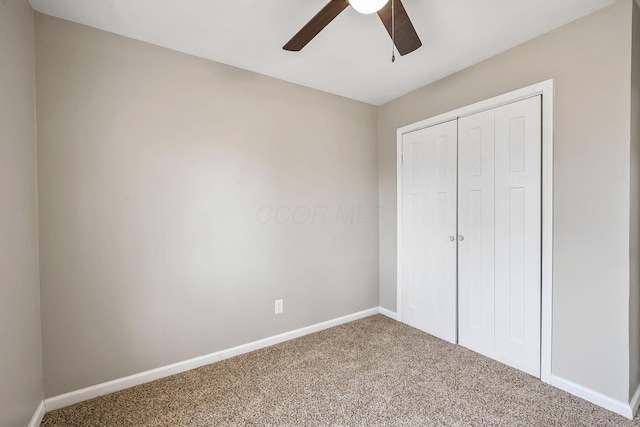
(546, 89)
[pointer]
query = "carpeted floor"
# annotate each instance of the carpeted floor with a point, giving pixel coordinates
(372, 372)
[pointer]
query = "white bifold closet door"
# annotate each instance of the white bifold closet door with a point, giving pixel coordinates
(471, 232)
(499, 250)
(429, 225)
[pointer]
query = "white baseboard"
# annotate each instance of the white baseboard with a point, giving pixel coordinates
(389, 313)
(613, 405)
(635, 402)
(81, 395)
(38, 415)
(623, 408)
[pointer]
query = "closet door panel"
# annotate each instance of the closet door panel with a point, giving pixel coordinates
(518, 234)
(429, 217)
(476, 227)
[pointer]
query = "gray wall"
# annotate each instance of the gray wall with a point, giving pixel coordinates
(153, 170)
(634, 238)
(20, 349)
(590, 61)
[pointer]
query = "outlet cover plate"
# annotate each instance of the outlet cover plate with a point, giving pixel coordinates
(279, 306)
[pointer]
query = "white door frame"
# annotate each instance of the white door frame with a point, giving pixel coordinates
(546, 89)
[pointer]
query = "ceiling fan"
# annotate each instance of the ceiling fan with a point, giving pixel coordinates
(391, 12)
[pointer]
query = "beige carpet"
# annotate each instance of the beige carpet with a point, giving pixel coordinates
(372, 372)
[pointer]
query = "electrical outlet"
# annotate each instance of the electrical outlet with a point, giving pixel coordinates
(279, 306)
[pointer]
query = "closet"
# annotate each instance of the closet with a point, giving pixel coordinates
(471, 232)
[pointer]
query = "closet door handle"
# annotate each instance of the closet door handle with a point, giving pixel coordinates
(451, 238)
(460, 237)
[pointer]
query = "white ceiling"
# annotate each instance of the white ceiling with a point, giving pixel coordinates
(351, 57)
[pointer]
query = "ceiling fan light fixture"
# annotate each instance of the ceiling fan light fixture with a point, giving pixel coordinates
(367, 6)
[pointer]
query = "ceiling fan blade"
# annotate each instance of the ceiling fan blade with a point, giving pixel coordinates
(317, 23)
(407, 39)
